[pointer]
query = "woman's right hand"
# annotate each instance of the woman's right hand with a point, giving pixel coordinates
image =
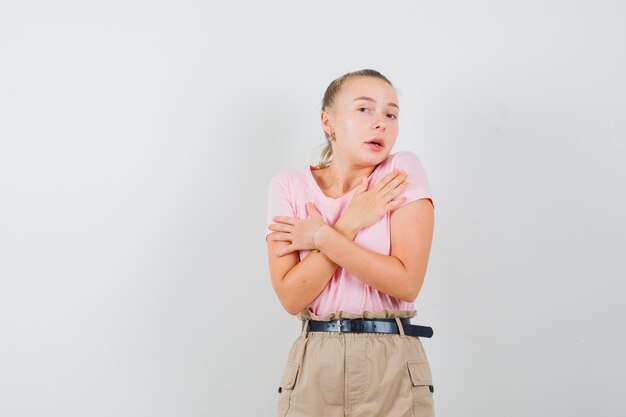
(367, 206)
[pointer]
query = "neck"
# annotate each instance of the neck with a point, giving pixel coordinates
(341, 177)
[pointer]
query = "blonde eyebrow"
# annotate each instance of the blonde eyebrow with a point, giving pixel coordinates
(371, 99)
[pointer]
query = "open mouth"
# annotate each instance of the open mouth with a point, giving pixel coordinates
(376, 143)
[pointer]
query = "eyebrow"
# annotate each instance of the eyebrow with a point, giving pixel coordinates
(371, 99)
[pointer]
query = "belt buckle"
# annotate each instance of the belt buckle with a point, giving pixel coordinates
(356, 325)
(340, 325)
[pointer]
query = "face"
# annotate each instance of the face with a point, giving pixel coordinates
(365, 110)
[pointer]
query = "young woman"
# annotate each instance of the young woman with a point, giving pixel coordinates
(348, 245)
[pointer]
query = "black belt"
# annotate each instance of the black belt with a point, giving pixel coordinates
(369, 326)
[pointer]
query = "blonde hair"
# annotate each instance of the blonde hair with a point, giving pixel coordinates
(329, 99)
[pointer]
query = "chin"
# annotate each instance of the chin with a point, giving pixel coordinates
(378, 158)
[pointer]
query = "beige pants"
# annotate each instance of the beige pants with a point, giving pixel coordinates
(331, 374)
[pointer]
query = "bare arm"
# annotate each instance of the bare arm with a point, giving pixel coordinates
(297, 283)
(400, 274)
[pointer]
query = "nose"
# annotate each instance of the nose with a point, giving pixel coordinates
(380, 124)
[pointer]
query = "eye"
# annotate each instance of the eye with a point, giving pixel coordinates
(392, 116)
(362, 108)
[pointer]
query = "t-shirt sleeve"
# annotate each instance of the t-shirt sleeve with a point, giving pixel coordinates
(278, 201)
(418, 187)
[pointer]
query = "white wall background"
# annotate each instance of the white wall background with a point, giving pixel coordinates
(137, 140)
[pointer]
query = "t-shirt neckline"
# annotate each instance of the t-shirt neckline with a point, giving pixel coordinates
(319, 191)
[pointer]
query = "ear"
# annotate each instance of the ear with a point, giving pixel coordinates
(326, 122)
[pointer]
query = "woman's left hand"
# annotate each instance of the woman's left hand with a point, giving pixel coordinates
(299, 232)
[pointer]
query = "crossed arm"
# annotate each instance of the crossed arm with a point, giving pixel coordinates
(400, 274)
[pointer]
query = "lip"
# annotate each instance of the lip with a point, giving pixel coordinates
(381, 140)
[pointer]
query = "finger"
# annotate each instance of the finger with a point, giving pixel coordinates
(388, 178)
(313, 211)
(280, 227)
(284, 219)
(394, 204)
(312, 207)
(285, 250)
(397, 182)
(391, 193)
(280, 236)
(363, 185)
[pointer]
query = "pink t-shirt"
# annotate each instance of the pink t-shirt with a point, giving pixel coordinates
(289, 192)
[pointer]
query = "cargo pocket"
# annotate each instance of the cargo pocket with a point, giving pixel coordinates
(422, 388)
(287, 383)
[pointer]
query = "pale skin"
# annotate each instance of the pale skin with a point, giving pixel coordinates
(363, 109)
